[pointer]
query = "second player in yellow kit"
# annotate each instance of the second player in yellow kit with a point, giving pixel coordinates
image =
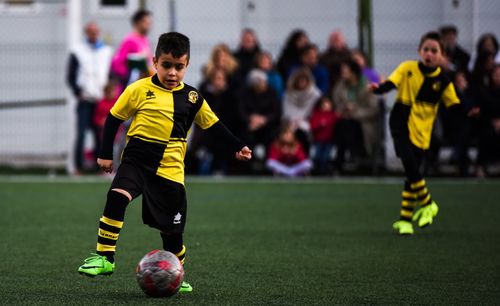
(421, 86)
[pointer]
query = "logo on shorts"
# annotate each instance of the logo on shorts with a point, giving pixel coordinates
(193, 96)
(177, 218)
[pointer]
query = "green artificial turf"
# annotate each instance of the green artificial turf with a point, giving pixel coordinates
(261, 243)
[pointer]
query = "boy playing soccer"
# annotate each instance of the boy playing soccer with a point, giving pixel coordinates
(163, 109)
(421, 86)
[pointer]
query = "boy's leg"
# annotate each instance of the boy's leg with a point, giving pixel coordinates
(408, 204)
(125, 187)
(173, 243)
(418, 188)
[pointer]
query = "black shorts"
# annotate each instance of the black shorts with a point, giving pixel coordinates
(164, 204)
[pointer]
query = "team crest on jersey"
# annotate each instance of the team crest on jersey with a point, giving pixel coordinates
(436, 86)
(150, 95)
(193, 96)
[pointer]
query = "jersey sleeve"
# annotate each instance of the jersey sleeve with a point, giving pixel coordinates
(449, 96)
(397, 75)
(205, 117)
(124, 107)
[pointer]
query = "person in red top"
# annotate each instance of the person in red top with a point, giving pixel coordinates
(104, 106)
(322, 121)
(287, 157)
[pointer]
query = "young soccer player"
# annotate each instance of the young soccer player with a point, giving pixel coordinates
(421, 86)
(163, 109)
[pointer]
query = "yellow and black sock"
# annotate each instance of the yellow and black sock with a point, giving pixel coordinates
(110, 224)
(174, 244)
(408, 203)
(420, 190)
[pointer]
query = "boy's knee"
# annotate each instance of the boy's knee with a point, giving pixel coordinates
(123, 192)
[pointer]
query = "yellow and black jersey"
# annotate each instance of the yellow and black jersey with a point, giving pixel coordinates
(422, 92)
(164, 117)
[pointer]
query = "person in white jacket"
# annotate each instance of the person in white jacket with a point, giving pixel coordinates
(87, 75)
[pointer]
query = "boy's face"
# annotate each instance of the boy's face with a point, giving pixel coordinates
(430, 53)
(170, 69)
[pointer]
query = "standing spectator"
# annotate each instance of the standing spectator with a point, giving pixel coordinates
(298, 101)
(309, 59)
(336, 53)
(287, 157)
(261, 110)
(247, 51)
(87, 74)
(489, 136)
(457, 56)
(487, 43)
(369, 73)
(323, 121)
(264, 62)
(133, 58)
(290, 55)
(358, 110)
(221, 58)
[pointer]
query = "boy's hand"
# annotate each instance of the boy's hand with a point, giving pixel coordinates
(244, 154)
(371, 87)
(105, 164)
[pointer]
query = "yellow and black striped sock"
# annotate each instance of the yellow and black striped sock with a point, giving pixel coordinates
(408, 203)
(109, 230)
(182, 255)
(420, 189)
(111, 223)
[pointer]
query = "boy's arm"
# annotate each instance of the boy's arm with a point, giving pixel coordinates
(382, 88)
(108, 138)
(220, 131)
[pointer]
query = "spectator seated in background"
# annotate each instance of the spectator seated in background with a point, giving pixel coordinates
(290, 55)
(298, 101)
(370, 74)
(247, 51)
(222, 99)
(309, 59)
(336, 53)
(487, 43)
(489, 135)
(322, 122)
(264, 62)
(286, 156)
(357, 128)
(221, 58)
(261, 111)
(463, 134)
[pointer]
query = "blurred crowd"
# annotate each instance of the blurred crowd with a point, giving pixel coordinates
(307, 111)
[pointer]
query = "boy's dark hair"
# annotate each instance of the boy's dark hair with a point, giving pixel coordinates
(433, 35)
(139, 15)
(173, 42)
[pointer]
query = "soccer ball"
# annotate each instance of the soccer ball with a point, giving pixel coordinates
(159, 274)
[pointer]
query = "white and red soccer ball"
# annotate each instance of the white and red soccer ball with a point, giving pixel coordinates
(160, 274)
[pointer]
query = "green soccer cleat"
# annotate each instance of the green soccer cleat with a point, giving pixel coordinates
(96, 265)
(185, 287)
(403, 227)
(426, 214)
